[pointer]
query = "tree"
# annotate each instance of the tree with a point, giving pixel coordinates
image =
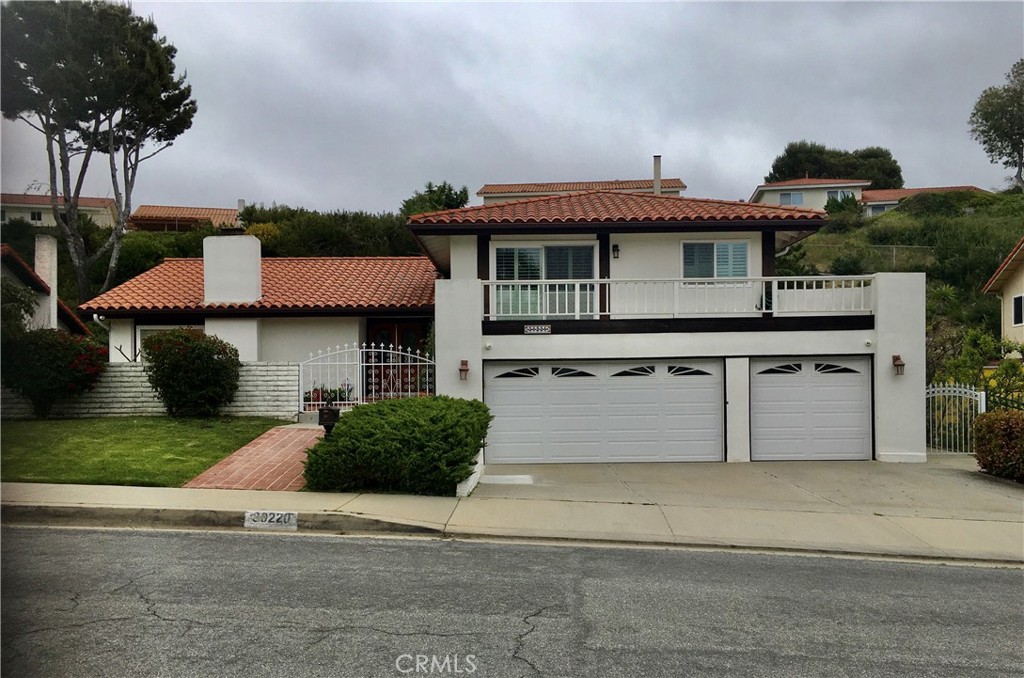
(443, 196)
(91, 77)
(997, 123)
(807, 159)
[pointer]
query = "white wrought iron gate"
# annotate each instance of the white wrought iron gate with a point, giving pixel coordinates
(951, 410)
(349, 375)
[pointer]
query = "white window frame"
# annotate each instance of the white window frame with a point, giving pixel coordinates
(32, 215)
(839, 194)
(789, 194)
(535, 244)
(158, 328)
(714, 257)
(1017, 300)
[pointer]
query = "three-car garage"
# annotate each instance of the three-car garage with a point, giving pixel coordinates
(670, 410)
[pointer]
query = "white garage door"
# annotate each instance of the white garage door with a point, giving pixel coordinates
(555, 412)
(810, 408)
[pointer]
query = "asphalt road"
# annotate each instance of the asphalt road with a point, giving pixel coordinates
(93, 602)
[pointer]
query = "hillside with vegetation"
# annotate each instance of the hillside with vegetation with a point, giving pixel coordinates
(957, 239)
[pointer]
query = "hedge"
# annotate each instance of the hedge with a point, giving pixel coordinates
(999, 443)
(413, 445)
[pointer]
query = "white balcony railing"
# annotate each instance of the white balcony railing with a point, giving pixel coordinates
(678, 298)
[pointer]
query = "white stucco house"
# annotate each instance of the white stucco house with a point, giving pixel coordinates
(1008, 284)
(616, 327)
(36, 209)
(808, 193)
(273, 309)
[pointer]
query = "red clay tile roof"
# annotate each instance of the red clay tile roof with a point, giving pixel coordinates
(896, 194)
(289, 284)
(1013, 261)
(32, 280)
(573, 186)
(610, 207)
(215, 215)
(44, 200)
(815, 182)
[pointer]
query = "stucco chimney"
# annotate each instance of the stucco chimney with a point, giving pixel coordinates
(241, 204)
(46, 268)
(231, 269)
(657, 175)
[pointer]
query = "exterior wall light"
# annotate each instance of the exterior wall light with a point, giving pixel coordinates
(898, 365)
(464, 370)
(615, 251)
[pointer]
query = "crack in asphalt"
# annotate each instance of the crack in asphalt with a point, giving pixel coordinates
(521, 640)
(326, 632)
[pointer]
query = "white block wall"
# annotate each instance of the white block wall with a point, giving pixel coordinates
(264, 389)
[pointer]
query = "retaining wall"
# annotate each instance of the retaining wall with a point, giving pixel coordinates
(267, 389)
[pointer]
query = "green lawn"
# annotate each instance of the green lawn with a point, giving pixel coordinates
(147, 451)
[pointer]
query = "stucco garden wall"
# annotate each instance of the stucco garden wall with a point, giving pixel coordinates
(264, 389)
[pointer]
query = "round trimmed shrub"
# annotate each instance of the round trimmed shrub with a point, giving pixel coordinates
(49, 365)
(194, 374)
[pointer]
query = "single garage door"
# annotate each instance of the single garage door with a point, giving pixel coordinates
(570, 411)
(810, 408)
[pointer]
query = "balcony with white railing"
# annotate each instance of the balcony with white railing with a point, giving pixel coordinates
(678, 298)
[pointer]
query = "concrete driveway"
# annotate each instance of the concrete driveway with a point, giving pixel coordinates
(944, 507)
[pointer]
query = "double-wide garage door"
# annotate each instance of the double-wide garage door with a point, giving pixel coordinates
(555, 412)
(673, 410)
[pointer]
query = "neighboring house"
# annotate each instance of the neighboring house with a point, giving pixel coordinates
(808, 193)
(494, 194)
(36, 209)
(42, 280)
(1008, 284)
(175, 219)
(499, 193)
(610, 327)
(273, 309)
(879, 201)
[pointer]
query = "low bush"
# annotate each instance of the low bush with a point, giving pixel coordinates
(194, 374)
(49, 365)
(413, 445)
(999, 443)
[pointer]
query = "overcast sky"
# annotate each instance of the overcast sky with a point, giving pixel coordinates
(355, 106)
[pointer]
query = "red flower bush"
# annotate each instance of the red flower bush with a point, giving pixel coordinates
(48, 366)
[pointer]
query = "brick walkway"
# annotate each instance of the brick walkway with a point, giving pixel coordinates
(271, 462)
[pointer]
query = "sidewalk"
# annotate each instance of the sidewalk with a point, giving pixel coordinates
(943, 509)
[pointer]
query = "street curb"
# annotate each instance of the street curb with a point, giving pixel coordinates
(114, 516)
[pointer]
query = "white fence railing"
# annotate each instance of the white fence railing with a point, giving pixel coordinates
(951, 410)
(345, 376)
(679, 298)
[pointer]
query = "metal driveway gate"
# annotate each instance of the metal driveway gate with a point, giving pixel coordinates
(346, 376)
(951, 410)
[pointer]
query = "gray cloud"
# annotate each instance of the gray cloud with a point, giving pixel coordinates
(354, 106)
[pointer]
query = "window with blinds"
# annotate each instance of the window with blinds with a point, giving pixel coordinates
(559, 262)
(715, 259)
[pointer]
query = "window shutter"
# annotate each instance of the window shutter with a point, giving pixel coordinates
(698, 260)
(731, 260)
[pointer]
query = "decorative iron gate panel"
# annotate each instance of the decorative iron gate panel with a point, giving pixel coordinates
(951, 410)
(346, 376)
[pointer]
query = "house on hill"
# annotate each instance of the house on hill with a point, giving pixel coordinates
(167, 218)
(36, 209)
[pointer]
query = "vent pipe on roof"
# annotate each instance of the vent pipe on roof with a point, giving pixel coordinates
(657, 175)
